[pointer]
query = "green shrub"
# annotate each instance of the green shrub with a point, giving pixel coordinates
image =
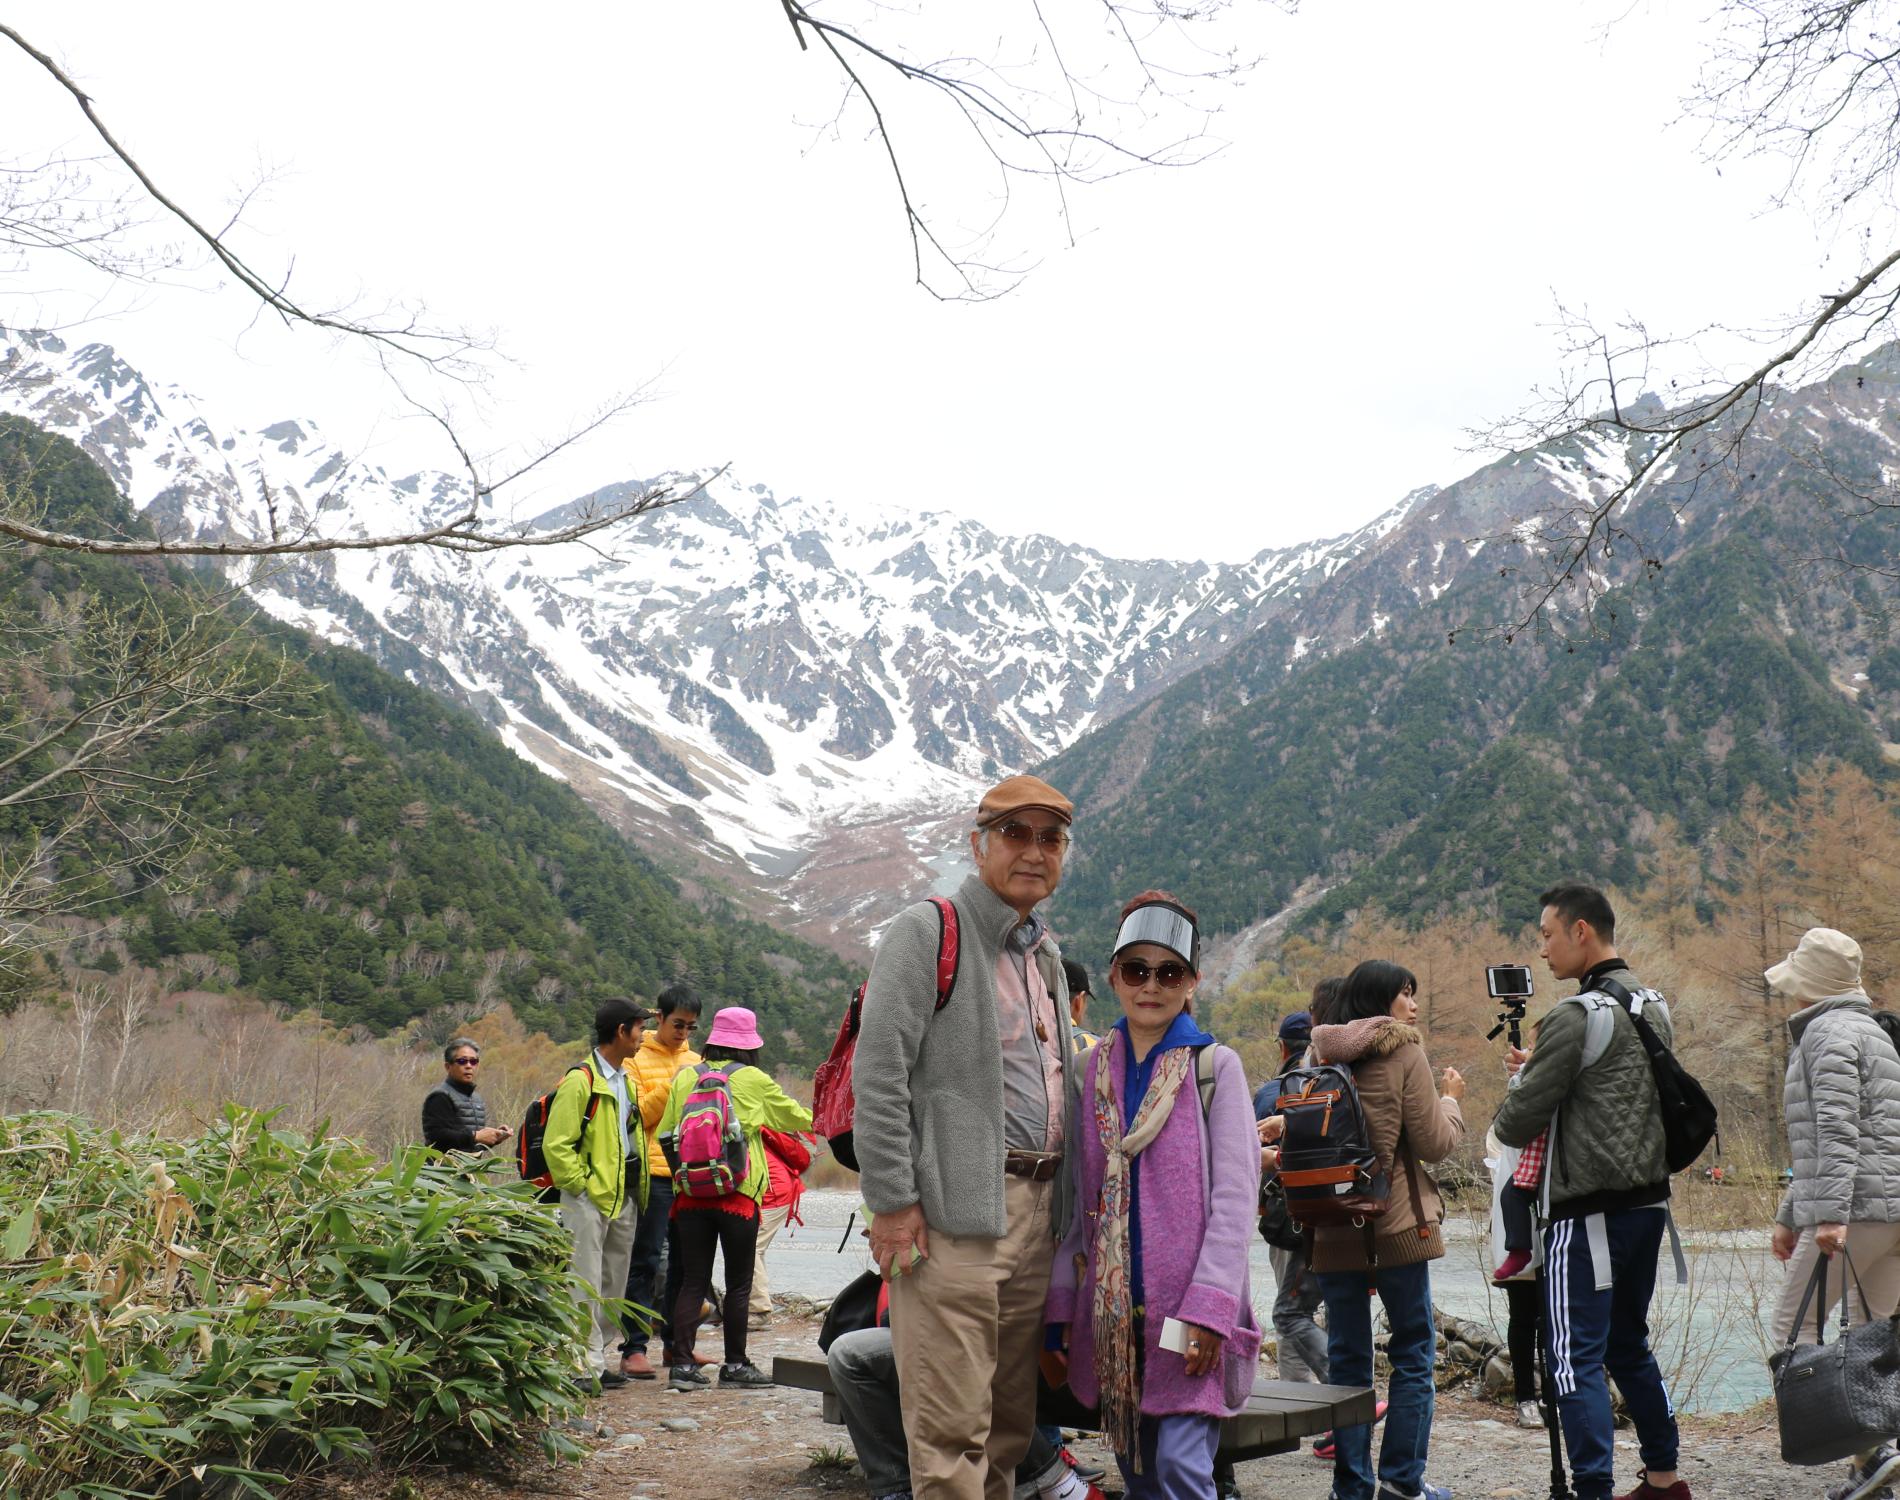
(241, 1306)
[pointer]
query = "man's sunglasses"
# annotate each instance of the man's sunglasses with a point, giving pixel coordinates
(1052, 839)
(466, 1062)
(1169, 975)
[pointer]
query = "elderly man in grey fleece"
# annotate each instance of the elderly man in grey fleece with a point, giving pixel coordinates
(961, 1116)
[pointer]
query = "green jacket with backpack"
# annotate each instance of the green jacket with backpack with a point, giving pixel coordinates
(585, 1156)
(757, 1101)
(1606, 1146)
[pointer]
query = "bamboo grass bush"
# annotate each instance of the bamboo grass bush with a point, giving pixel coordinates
(223, 1313)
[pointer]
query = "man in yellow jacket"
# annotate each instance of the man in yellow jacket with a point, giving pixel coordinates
(598, 1159)
(667, 1049)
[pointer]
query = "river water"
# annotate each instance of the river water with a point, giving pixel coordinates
(1707, 1335)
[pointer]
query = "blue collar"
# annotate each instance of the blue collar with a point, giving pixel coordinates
(1183, 1031)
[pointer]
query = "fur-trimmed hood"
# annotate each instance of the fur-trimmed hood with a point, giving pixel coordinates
(1370, 1036)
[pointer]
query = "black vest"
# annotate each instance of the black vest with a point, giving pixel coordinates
(474, 1113)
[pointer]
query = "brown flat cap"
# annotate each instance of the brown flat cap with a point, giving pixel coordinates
(1019, 794)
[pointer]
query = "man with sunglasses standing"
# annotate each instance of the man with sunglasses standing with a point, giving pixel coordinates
(960, 1124)
(454, 1118)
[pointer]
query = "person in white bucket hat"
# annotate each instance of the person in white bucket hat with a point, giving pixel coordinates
(1842, 1097)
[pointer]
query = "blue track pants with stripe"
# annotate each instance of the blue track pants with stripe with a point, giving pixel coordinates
(1593, 1332)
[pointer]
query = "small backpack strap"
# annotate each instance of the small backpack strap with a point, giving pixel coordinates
(949, 948)
(1204, 1076)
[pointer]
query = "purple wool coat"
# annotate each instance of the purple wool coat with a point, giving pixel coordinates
(1193, 1251)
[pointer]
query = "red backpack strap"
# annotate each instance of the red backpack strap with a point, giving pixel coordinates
(949, 948)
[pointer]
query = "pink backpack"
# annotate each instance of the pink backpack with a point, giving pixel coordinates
(710, 1146)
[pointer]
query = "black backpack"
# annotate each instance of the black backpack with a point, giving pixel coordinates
(1688, 1114)
(531, 1160)
(1329, 1173)
(1276, 1224)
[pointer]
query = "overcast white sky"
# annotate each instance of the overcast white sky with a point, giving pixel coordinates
(1267, 347)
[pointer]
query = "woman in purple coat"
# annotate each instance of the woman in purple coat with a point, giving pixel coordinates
(1152, 1282)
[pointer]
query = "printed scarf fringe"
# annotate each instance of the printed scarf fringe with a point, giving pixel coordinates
(1117, 1355)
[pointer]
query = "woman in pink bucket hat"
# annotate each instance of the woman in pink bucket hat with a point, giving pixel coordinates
(713, 1133)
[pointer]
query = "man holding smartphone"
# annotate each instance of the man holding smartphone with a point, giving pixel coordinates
(454, 1117)
(960, 1119)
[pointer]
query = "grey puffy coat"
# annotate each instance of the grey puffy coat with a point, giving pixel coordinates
(1842, 1097)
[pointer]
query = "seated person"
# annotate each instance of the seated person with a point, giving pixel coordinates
(864, 1375)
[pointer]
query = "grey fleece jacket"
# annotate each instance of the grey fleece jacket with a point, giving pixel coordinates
(1842, 1096)
(929, 1087)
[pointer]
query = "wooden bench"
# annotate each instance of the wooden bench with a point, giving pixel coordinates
(1278, 1414)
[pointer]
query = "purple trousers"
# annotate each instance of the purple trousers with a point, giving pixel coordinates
(1177, 1459)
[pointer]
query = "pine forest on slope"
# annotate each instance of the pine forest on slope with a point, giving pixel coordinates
(1423, 768)
(376, 853)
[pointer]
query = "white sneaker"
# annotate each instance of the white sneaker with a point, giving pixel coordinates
(1529, 1414)
(1870, 1483)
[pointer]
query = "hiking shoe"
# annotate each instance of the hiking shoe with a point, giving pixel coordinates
(1870, 1482)
(636, 1366)
(1646, 1491)
(686, 1378)
(745, 1374)
(1423, 1492)
(1529, 1414)
(585, 1384)
(611, 1380)
(1087, 1473)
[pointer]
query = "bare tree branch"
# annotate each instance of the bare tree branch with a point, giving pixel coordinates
(437, 348)
(1062, 113)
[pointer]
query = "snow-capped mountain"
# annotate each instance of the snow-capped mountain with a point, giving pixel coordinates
(804, 697)
(749, 669)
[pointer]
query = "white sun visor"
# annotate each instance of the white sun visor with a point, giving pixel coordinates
(1162, 925)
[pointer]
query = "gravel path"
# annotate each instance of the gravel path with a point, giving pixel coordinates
(756, 1445)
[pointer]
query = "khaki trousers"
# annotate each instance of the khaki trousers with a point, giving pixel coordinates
(771, 1221)
(602, 1249)
(1876, 1252)
(966, 1327)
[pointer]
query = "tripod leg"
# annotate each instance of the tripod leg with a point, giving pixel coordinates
(1547, 1399)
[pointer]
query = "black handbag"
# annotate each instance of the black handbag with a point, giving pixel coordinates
(1835, 1400)
(853, 1309)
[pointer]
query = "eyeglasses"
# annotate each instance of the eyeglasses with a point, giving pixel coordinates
(1052, 839)
(466, 1062)
(1169, 975)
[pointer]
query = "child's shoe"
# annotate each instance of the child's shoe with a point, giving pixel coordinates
(1510, 1266)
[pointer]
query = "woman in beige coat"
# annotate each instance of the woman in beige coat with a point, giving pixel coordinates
(1410, 1124)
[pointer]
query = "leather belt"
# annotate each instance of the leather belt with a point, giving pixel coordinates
(1037, 1166)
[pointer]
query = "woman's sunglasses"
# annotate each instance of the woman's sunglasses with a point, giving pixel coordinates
(1169, 975)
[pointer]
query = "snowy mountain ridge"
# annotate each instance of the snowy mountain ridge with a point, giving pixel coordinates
(742, 671)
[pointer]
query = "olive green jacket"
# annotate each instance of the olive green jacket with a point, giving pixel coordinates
(1606, 1149)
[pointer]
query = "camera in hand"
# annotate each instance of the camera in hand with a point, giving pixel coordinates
(1510, 983)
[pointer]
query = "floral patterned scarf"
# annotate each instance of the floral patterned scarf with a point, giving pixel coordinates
(1117, 1357)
